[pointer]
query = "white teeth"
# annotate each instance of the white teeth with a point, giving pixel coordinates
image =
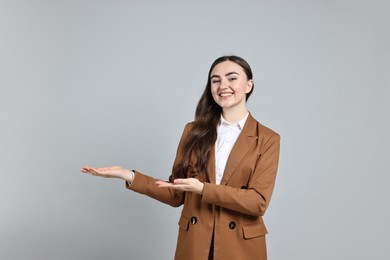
(225, 94)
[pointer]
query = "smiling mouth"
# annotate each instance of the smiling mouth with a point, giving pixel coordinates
(226, 94)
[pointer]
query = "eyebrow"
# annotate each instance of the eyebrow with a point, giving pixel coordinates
(227, 74)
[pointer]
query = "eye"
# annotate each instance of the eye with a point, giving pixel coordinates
(232, 79)
(215, 81)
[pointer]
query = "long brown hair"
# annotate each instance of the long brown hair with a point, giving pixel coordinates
(204, 131)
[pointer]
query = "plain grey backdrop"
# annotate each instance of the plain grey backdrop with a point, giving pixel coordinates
(113, 82)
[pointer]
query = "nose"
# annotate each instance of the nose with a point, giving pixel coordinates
(224, 84)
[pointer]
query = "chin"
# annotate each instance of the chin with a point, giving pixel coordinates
(226, 106)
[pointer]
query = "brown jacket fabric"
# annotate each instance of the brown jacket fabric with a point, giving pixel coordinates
(232, 211)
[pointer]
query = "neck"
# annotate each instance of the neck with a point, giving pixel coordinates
(234, 115)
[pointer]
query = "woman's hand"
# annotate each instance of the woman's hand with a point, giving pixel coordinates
(110, 172)
(190, 184)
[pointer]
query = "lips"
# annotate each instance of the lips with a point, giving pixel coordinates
(226, 94)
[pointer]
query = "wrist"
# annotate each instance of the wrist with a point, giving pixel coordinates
(200, 192)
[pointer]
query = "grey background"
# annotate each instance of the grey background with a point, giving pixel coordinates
(113, 83)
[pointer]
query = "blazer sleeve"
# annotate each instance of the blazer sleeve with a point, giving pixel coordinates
(146, 185)
(255, 199)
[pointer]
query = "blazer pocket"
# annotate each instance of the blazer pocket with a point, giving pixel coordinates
(254, 231)
(183, 223)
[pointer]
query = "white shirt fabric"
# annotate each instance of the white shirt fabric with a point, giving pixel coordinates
(227, 135)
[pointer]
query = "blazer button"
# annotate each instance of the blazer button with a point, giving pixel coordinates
(232, 225)
(193, 220)
(244, 187)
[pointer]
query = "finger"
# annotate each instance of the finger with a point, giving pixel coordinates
(86, 170)
(103, 168)
(94, 171)
(181, 181)
(90, 173)
(97, 171)
(173, 187)
(162, 184)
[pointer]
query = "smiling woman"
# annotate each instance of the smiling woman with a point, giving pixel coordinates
(229, 87)
(224, 172)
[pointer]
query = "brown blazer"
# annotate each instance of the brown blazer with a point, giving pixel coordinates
(233, 210)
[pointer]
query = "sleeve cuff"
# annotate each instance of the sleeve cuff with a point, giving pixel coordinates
(128, 183)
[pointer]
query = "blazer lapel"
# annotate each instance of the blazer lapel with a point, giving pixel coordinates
(211, 171)
(245, 140)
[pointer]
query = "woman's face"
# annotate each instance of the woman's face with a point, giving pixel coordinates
(229, 85)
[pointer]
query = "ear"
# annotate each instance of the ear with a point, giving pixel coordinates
(249, 86)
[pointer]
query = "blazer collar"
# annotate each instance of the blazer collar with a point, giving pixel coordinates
(245, 140)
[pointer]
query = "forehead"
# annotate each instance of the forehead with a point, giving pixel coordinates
(227, 67)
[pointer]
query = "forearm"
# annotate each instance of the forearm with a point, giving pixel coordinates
(146, 185)
(248, 202)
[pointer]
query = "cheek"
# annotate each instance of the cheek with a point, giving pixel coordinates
(244, 88)
(214, 94)
(214, 90)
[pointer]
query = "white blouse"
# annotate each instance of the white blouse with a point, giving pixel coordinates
(227, 135)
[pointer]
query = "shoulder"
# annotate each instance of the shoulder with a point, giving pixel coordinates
(189, 126)
(267, 138)
(266, 131)
(187, 130)
(261, 131)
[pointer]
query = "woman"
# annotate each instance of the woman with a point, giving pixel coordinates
(223, 174)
